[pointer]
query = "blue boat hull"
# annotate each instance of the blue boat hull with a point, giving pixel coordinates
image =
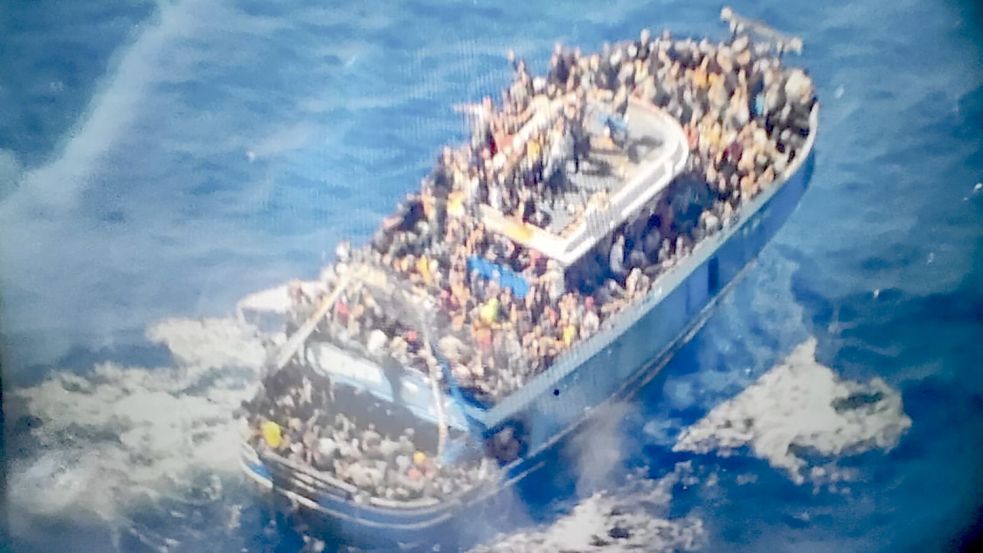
(614, 364)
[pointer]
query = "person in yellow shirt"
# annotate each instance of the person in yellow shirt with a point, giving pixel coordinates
(489, 311)
(455, 204)
(533, 149)
(272, 434)
(569, 333)
(423, 268)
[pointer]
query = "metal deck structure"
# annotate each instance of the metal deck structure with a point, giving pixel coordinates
(612, 185)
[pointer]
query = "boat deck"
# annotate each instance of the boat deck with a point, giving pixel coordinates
(608, 168)
(612, 184)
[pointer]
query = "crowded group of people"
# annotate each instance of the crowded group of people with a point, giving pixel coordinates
(309, 421)
(362, 322)
(745, 118)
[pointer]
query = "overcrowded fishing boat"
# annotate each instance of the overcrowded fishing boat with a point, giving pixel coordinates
(551, 264)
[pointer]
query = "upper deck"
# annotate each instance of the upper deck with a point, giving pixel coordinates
(614, 184)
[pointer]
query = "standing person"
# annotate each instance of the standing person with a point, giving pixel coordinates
(559, 69)
(616, 258)
(555, 281)
(578, 134)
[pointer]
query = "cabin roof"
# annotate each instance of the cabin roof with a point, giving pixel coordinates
(613, 187)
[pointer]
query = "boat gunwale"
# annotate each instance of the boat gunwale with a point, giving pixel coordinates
(250, 457)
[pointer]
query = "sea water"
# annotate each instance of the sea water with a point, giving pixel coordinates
(161, 160)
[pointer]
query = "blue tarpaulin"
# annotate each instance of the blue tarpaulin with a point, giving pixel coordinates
(503, 275)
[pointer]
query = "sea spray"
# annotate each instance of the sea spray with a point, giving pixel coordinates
(102, 444)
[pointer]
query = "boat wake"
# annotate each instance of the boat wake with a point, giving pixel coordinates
(119, 439)
(118, 442)
(799, 408)
(633, 517)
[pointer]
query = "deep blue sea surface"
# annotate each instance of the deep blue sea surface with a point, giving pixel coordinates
(165, 159)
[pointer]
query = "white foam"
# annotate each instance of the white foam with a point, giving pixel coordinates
(125, 435)
(274, 301)
(637, 509)
(56, 184)
(795, 405)
(284, 139)
(210, 343)
(598, 451)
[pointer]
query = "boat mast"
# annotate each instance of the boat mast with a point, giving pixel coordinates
(433, 368)
(293, 343)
